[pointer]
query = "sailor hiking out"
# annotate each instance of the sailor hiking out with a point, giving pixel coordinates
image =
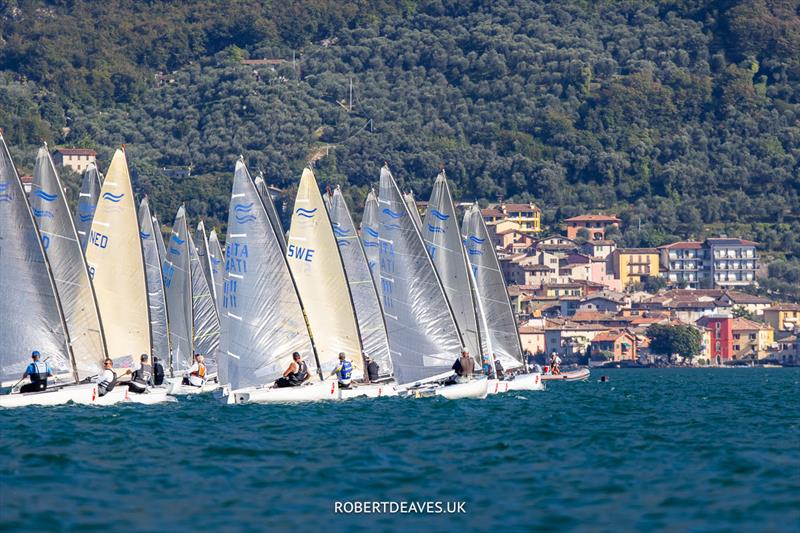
(38, 371)
(142, 378)
(296, 374)
(196, 377)
(107, 378)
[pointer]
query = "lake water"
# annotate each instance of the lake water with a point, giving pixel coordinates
(650, 450)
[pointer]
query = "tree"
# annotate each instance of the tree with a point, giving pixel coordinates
(740, 312)
(679, 339)
(653, 284)
(582, 236)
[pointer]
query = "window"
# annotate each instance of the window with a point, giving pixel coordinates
(736, 336)
(736, 347)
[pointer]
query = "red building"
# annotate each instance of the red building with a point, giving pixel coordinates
(721, 336)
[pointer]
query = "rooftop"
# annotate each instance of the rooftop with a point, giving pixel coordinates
(745, 324)
(75, 151)
(784, 307)
(610, 336)
(594, 218)
(600, 243)
(637, 250)
(684, 245)
(724, 241)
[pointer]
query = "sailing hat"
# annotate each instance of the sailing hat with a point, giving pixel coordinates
(35, 353)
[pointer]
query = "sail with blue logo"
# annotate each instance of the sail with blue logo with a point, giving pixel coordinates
(369, 238)
(116, 264)
(162, 248)
(272, 211)
(411, 204)
(318, 271)
(30, 315)
(87, 203)
(442, 235)
(217, 260)
(201, 245)
(423, 336)
(176, 271)
(362, 287)
(205, 320)
(492, 290)
(261, 315)
(67, 263)
(156, 297)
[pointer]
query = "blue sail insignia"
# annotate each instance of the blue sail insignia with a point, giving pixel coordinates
(42, 213)
(371, 232)
(441, 216)
(305, 213)
(39, 193)
(391, 213)
(435, 229)
(113, 197)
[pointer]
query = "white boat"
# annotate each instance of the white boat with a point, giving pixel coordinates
(581, 374)
(531, 381)
(151, 395)
(497, 386)
(83, 394)
(324, 390)
(176, 387)
(369, 390)
(475, 389)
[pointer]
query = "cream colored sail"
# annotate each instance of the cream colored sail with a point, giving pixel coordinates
(318, 271)
(116, 264)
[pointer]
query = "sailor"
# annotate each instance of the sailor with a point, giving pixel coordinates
(344, 371)
(498, 367)
(158, 371)
(197, 372)
(296, 374)
(467, 365)
(372, 368)
(142, 377)
(487, 366)
(555, 363)
(38, 371)
(107, 378)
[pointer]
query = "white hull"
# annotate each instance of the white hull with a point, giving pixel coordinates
(497, 387)
(176, 387)
(477, 389)
(526, 382)
(327, 390)
(151, 396)
(380, 390)
(85, 394)
(575, 375)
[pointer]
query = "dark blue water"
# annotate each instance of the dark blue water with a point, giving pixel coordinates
(700, 450)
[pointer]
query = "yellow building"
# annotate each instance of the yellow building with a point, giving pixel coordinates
(751, 339)
(631, 265)
(528, 216)
(783, 317)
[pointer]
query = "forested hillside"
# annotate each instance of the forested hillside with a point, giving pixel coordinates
(681, 116)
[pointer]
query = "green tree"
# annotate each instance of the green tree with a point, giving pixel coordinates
(670, 340)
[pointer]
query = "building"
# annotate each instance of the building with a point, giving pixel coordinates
(567, 338)
(632, 265)
(751, 339)
(492, 215)
(594, 224)
(721, 336)
(787, 351)
(733, 262)
(618, 345)
(600, 248)
(27, 183)
(528, 216)
(532, 339)
(606, 301)
(784, 318)
(684, 264)
(76, 159)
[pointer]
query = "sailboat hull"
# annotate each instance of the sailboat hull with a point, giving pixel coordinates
(177, 388)
(328, 390)
(526, 382)
(85, 394)
(581, 374)
(152, 396)
(477, 389)
(381, 390)
(497, 387)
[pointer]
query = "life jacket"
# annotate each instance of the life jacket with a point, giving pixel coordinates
(301, 374)
(39, 374)
(345, 371)
(158, 374)
(105, 386)
(372, 371)
(144, 375)
(201, 371)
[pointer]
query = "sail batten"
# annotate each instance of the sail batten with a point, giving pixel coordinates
(262, 320)
(362, 287)
(70, 273)
(423, 335)
(318, 270)
(116, 263)
(29, 309)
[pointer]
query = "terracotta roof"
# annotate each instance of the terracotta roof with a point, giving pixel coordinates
(744, 298)
(75, 151)
(530, 330)
(722, 241)
(26, 179)
(520, 207)
(600, 243)
(637, 250)
(610, 336)
(584, 315)
(537, 268)
(784, 307)
(594, 218)
(686, 245)
(743, 323)
(491, 212)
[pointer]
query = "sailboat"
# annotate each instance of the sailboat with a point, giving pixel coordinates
(30, 309)
(262, 318)
(492, 291)
(423, 335)
(217, 260)
(87, 202)
(201, 245)
(369, 238)
(156, 297)
(365, 297)
(319, 274)
(272, 211)
(205, 319)
(411, 204)
(67, 264)
(178, 287)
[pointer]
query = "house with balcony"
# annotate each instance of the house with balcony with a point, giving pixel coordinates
(594, 224)
(632, 265)
(599, 248)
(528, 216)
(615, 345)
(733, 262)
(784, 318)
(683, 264)
(751, 339)
(721, 336)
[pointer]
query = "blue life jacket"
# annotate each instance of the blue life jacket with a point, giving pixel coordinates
(345, 371)
(38, 371)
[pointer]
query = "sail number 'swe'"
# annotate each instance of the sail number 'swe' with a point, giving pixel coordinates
(298, 252)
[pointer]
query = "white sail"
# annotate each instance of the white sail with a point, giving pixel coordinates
(156, 296)
(87, 202)
(30, 316)
(217, 260)
(492, 290)
(114, 256)
(178, 284)
(362, 287)
(201, 245)
(411, 204)
(262, 319)
(442, 235)
(423, 336)
(162, 249)
(369, 238)
(272, 211)
(321, 281)
(205, 319)
(71, 276)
